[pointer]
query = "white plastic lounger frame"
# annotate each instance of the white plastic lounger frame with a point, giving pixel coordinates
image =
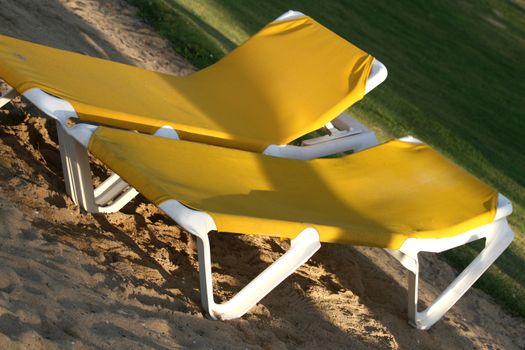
(497, 235)
(345, 134)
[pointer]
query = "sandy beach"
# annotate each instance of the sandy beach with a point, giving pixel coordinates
(73, 280)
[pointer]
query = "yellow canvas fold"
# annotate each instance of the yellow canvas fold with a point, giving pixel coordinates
(290, 78)
(378, 197)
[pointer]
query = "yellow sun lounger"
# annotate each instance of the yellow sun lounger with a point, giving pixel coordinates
(401, 195)
(292, 77)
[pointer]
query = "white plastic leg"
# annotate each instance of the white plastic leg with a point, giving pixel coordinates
(200, 224)
(7, 97)
(79, 184)
(77, 172)
(498, 237)
(301, 249)
(75, 162)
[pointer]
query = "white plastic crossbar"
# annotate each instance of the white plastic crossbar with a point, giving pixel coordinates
(349, 135)
(108, 189)
(119, 202)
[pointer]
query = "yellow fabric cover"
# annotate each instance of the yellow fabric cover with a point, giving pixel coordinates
(378, 197)
(287, 80)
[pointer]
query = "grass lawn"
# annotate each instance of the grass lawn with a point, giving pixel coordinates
(456, 80)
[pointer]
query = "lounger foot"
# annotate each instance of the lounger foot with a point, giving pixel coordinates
(7, 97)
(301, 249)
(200, 224)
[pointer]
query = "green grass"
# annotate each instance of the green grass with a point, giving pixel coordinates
(456, 80)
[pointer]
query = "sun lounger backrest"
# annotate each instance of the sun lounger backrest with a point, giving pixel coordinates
(290, 78)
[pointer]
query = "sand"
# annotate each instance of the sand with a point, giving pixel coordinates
(72, 280)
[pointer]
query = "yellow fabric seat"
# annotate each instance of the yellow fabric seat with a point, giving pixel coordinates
(290, 78)
(378, 197)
